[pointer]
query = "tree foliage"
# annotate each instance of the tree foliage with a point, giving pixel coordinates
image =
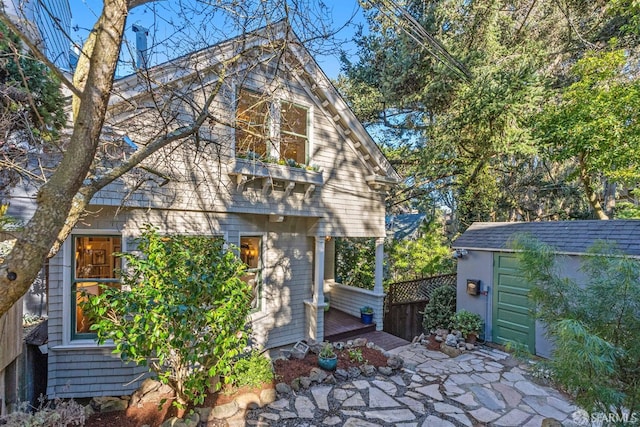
(595, 324)
(183, 314)
(355, 262)
(31, 111)
(474, 140)
(426, 255)
(595, 123)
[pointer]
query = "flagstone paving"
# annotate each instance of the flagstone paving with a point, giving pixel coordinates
(480, 387)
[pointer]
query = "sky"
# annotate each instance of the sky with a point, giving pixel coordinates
(85, 12)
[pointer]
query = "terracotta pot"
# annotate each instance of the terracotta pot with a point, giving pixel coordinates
(472, 338)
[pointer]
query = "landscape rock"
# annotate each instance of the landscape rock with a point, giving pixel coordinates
(359, 342)
(224, 411)
(449, 351)
(451, 340)
(317, 375)
(354, 372)
(330, 379)
(248, 401)
(109, 404)
(385, 370)
(305, 382)
(283, 388)
(395, 362)
(368, 370)
(267, 396)
(341, 374)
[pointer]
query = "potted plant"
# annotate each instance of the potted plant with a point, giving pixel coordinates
(468, 323)
(366, 315)
(327, 358)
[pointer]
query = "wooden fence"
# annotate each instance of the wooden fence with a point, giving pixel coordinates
(405, 303)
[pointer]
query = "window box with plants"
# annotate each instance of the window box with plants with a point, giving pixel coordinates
(327, 358)
(366, 315)
(470, 324)
(284, 170)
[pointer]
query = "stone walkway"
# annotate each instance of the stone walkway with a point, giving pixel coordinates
(477, 388)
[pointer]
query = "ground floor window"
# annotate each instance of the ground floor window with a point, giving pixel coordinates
(95, 265)
(251, 255)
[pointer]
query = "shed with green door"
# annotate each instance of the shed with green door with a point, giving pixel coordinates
(487, 263)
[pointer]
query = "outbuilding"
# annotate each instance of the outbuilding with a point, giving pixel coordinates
(491, 284)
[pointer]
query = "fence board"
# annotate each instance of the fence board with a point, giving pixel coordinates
(405, 303)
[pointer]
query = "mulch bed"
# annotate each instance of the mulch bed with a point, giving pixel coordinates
(288, 370)
(284, 371)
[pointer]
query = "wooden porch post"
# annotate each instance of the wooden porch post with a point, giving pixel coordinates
(315, 306)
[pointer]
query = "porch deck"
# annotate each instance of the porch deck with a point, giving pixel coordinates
(340, 326)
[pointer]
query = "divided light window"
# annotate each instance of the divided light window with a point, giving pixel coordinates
(252, 124)
(95, 265)
(294, 132)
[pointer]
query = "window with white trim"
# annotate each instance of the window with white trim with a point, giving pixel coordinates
(95, 265)
(294, 132)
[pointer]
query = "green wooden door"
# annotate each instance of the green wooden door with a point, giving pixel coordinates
(512, 318)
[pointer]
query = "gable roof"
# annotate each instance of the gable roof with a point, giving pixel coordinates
(568, 237)
(306, 71)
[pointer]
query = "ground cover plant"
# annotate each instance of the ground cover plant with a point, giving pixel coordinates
(184, 315)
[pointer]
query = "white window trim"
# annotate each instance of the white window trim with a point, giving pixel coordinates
(310, 114)
(67, 265)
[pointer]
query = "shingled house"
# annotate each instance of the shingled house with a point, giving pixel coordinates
(485, 259)
(280, 169)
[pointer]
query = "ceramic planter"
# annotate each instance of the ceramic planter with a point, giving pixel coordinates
(328, 363)
(366, 318)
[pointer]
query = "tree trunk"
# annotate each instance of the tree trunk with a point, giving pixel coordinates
(50, 223)
(592, 196)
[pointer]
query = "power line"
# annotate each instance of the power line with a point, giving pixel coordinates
(413, 29)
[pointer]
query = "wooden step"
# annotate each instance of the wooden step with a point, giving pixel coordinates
(340, 326)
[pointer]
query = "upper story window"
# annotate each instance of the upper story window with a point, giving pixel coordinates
(294, 132)
(252, 123)
(95, 265)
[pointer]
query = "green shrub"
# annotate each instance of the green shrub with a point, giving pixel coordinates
(184, 315)
(595, 325)
(440, 309)
(467, 322)
(253, 370)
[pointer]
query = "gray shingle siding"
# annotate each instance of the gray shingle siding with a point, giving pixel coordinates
(571, 237)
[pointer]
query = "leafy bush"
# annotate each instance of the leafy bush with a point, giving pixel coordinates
(184, 315)
(57, 413)
(595, 327)
(440, 309)
(466, 322)
(253, 370)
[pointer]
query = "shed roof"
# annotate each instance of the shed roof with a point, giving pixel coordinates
(571, 237)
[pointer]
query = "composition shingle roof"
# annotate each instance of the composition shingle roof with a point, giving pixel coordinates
(573, 237)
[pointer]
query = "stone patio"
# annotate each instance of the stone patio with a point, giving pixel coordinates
(480, 387)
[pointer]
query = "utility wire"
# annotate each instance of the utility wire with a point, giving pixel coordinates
(412, 28)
